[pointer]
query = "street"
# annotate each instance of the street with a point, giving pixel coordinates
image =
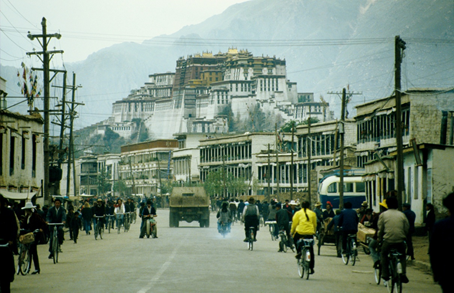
(193, 259)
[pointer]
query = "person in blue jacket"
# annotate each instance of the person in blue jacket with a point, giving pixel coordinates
(348, 220)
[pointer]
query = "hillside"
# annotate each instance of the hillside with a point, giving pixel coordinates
(327, 45)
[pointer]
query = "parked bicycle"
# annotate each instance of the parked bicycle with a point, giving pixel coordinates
(24, 259)
(351, 252)
(304, 261)
(98, 226)
(55, 242)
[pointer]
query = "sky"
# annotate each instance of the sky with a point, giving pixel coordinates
(87, 26)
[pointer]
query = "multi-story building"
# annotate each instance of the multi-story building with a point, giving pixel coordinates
(195, 98)
(21, 155)
(427, 133)
(144, 166)
(87, 166)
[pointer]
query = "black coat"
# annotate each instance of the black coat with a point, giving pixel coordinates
(8, 232)
(54, 217)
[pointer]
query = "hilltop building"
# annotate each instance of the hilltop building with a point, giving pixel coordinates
(208, 90)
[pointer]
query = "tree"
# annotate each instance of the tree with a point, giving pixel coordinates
(214, 183)
(120, 186)
(104, 184)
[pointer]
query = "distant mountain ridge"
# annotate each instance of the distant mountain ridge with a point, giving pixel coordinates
(344, 42)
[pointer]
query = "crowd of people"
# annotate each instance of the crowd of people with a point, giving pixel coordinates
(17, 220)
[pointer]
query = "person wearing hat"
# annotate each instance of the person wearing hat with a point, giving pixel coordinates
(57, 215)
(362, 210)
(251, 217)
(318, 212)
(411, 217)
(8, 235)
(98, 210)
(328, 213)
(30, 223)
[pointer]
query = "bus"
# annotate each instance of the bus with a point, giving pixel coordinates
(354, 190)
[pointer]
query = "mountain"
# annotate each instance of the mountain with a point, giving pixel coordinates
(327, 45)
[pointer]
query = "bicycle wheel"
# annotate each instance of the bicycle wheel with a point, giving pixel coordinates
(26, 263)
(377, 275)
(346, 256)
(353, 252)
(251, 245)
(100, 231)
(108, 225)
(301, 268)
(55, 249)
(126, 224)
(148, 229)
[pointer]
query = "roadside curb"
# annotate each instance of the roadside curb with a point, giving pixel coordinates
(424, 266)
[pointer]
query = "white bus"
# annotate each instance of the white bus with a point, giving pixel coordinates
(354, 190)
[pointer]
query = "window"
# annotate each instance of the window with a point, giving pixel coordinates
(348, 187)
(360, 187)
(332, 188)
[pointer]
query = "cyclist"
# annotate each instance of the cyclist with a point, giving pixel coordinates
(120, 212)
(282, 221)
(348, 220)
(393, 228)
(99, 211)
(56, 214)
(251, 218)
(240, 209)
(130, 207)
(110, 211)
(233, 208)
(272, 216)
(148, 212)
(319, 213)
(373, 244)
(224, 216)
(31, 222)
(304, 225)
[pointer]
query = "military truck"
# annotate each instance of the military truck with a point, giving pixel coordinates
(189, 204)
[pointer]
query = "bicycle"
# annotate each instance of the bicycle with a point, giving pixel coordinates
(133, 217)
(394, 284)
(119, 222)
(55, 243)
(150, 228)
(98, 228)
(109, 222)
(350, 252)
(284, 243)
(272, 227)
(127, 223)
(303, 262)
(24, 260)
(250, 239)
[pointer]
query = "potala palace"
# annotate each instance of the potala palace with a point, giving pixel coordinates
(194, 98)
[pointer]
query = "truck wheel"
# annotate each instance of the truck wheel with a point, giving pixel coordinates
(171, 223)
(176, 220)
(201, 223)
(207, 223)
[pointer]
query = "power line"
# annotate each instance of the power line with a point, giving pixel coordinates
(21, 14)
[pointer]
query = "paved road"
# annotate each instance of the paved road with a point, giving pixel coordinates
(192, 259)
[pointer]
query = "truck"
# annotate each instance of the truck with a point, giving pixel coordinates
(189, 204)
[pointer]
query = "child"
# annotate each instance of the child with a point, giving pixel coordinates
(75, 225)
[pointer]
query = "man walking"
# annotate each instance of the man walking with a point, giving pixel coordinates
(440, 249)
(411, 217)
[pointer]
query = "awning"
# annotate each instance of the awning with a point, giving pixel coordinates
(87, 195)
(18, 195)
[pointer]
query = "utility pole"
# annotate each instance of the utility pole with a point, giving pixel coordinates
(45, 60)
(277, 159)
(291, 161)
(309, 163)
(341, 163)
(399, 48)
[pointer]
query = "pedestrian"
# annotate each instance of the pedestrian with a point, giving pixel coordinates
(87, 215)
(337, 232)
(411, 217)
(31, 222)
(319, 213)
(440, 248)
(8, 234)
(430, 218)
(75, 225)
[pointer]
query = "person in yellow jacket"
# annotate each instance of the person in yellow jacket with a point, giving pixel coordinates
(304, 225)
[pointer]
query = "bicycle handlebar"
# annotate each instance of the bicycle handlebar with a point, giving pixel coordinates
(98, 217)
(55, 224)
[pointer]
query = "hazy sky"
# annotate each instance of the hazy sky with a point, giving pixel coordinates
(87, 26)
